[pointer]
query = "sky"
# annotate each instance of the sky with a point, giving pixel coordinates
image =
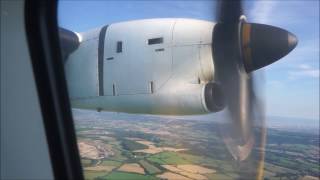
(291, 85)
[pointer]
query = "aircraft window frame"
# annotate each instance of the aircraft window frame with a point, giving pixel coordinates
(48, 68)
(158, 40)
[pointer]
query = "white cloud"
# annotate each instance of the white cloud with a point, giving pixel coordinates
(278, 13)
(304, 70)
(262, 11)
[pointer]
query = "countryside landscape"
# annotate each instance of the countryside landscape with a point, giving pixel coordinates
(141, 147)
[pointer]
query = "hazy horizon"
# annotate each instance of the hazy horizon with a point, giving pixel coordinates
(277, 122)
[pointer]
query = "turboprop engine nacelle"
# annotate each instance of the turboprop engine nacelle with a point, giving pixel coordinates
(159, 66)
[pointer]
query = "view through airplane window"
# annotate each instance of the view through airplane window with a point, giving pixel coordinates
(194, 90)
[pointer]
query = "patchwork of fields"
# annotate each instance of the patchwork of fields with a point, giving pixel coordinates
(150, 149)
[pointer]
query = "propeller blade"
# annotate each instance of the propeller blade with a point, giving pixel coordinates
(228, 11)
(239, 48)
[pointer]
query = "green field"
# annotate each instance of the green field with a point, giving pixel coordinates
(132, 145)
(110, 163)
(86, 162)
(149, 167)
(93, 174)
(126, 176)
(214, 176)
(168, 158)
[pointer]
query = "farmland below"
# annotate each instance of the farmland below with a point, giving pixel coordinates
(124, 147)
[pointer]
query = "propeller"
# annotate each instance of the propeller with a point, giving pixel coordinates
(240, 48)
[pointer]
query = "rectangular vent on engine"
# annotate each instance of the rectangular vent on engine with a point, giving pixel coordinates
(155, 41)
(119, 46)
(113, 90)
(158, 50)
(151, 87)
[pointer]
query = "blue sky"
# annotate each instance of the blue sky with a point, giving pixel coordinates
(291, 84)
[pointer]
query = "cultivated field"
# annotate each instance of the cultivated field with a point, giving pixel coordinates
(134, 168)
(191, 171)
(172, 176)
(154, 148)
(88, 151)
(100, 168)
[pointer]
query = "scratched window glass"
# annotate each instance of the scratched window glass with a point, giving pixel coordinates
(193, 90)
